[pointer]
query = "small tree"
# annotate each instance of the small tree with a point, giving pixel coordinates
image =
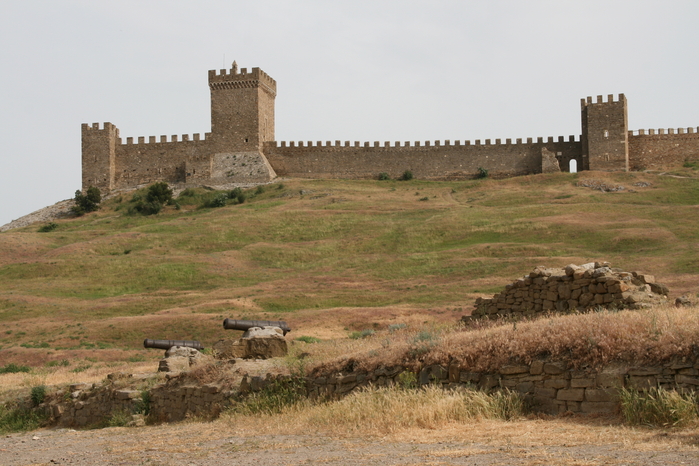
(406, 176)
(88, 202)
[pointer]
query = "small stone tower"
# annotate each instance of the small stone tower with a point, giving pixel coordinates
(605, 135)
(242, 108)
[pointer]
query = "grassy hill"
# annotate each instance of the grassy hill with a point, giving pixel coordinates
(329, 257)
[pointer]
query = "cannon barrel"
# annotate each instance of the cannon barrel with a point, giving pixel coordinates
(167, 344)
(232, 324)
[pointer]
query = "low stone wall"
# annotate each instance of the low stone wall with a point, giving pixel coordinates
(175, 402)
(548, 386)
(573, 288)
(84, 405)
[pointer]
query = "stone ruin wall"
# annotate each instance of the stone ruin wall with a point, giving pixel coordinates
(658, 150)
(570, 289)
(430, 160)
(551, 387)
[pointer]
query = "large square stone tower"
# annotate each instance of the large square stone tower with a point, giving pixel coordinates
(605, 134)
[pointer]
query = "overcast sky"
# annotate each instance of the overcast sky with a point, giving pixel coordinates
(346, 70)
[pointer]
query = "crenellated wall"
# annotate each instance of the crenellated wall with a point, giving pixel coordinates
(241, 147)
(658, 149)
(427, 160)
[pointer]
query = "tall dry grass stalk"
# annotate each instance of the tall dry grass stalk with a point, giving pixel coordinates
(376, 411)
(593, 339)
(658, 407)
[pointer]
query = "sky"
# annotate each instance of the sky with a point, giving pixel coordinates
(357, 70)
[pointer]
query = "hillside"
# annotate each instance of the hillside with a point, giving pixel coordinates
(329, 257)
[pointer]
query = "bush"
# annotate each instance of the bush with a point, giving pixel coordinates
(88, 202)
(406, 176)
(48, 227)
(308, 339)
(13, 368)
(658, 407)
(19, 419)
(38, 395)
(146, 208)
(383, 176)
(363, 334)
(159, 192)
(481, 173)
(273, 398)
(217, 201)
(237, 195)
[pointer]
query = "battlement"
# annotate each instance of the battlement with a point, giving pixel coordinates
(175, 138)
(107, 126)
(665, 132)
(234, 79)
(610, 100)
(421, 144)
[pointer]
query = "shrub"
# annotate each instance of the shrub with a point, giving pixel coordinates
(146, 208)
(481, 173)
(120, 418)
(406, 176)
(13, 368)
(395, 327)
(363, 334)
(19, 419)
(88, 202)
(384, 176)
(62, 363)
(237, 195)
(38, 395)
(407, 380)
(159, 192)
(260, 189)
(48, 227)
(273, 398)
(658, 407)
(218, 200)
(308, 339)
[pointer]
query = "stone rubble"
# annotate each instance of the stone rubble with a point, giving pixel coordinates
(570, 289)
(256, 343)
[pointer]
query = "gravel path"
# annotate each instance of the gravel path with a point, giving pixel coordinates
(195, 444)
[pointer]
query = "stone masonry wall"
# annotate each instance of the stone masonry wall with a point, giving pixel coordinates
(447, 160)
(573, 288)
(548, 386)
(551, 387)
(657, 151)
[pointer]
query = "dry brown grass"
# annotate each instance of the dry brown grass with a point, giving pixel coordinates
(381, 411)
(11, 384)
(586, 340)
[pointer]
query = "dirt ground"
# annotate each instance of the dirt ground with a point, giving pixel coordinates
(559, 441)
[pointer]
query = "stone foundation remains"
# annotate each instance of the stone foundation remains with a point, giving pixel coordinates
(570, 289)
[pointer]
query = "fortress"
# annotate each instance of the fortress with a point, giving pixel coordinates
(241, 147)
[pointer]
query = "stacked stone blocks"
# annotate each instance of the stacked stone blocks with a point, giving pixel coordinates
(570, 289)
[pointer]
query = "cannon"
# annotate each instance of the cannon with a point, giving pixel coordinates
(231, 324)
(167, 344)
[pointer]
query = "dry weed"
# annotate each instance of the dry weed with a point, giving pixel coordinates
(586, 340)
(388, 410)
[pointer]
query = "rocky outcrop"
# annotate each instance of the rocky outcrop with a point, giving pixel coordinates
(572, 288)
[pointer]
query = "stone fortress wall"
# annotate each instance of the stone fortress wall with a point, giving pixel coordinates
(241, 147)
